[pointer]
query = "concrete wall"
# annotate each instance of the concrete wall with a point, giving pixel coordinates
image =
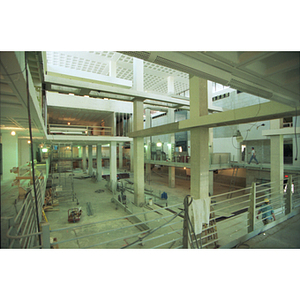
(10, 156)
(24, 155)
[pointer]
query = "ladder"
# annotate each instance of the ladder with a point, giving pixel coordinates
(232, 181)
(209, 236)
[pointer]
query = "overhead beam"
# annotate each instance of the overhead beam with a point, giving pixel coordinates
(49, 79)
(213, 69)
(261, 112)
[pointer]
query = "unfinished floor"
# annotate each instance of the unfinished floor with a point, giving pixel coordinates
(103, 208)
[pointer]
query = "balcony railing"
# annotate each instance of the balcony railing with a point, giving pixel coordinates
(79, 130)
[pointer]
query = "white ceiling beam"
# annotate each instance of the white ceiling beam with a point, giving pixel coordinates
(113, 90)
(70, 73)
(84, 103)
(260, 112)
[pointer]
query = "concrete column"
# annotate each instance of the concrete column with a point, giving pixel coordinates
(171, 89)
(277, 161)
(9, 156)
(90, 154)
(112, 69)
(138, 143)
(199, 139)
(120, 155)
(84, 158)
(171, 119)
(138, 150)
(131, 157)
(211, 182)
(24, 152)
(148, 144)
(113, 166)
(138, 74)
(99, 162)
(171, 177)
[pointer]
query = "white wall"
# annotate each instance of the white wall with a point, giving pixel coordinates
(226, 145)
(24, 152)
(10, 155)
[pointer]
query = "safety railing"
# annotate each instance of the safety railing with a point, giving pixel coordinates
(80, 130)
(231, 221)
(151, 229)
(23, 231)
(246, 213)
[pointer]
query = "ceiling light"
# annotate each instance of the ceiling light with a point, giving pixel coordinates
(71, 94)
(69, 123)
(87, 96)
(28, 141)
(44, 150)
(159, 144)
(13, 133)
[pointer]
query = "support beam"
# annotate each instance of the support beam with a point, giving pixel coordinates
(199, 140)
(171, 177)
(90, 154)
(260, 112)
(113, 166)
(138, 150)
(84, 159)
(120, 155)
(277, 166)
(99, 162)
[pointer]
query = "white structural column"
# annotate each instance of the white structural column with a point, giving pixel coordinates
(171, 119)
(99, 162)
(84, 159)
(148, 144)
(211, 151)
(199, 139)
(131, 157)
(112, 69)
(277, 166)
(90, 154)
(10, 152)
(113, 166)
(138, 143)
(138, 150)
(120, 155)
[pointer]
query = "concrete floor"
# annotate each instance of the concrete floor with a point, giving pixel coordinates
(284, 235)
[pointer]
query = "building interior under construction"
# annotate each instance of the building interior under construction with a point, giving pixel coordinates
(113, 150)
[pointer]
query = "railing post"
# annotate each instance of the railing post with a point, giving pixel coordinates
(252, 214)
(185, 240)
(288, 201)
(45, 228)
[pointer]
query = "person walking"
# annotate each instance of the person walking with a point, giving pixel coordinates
(253, 156)
(267, 211)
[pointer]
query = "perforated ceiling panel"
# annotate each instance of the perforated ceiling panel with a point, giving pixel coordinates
(155, 76)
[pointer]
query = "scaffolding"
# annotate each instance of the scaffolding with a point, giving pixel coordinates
(62, 172)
